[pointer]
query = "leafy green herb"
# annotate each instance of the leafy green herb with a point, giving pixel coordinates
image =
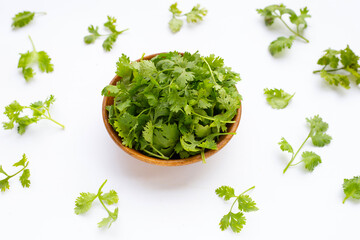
(352, 188)
(24, 18)
(330, 62)
(40, 110)
(236, 221)
(272, 12)
(277, 98)
(28, 59)
(195, 15)
(84, 202)
(110, 38)
(24, 178)
(173, 106)
(319, 138)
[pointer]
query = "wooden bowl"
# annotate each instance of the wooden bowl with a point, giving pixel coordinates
(223, 140)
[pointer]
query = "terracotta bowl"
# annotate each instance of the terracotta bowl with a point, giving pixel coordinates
(223, 140)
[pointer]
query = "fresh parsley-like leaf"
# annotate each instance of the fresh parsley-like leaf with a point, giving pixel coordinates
(273, 12)
(24, 178)
(319, 138)
(277, 98)
(235, 221)
(330, 62)
(110, 38)
(22, 19)
(84, 202)
(40, 110)
(195, 15)
(29, 58)
(351, 188)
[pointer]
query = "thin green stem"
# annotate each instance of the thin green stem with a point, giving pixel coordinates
(32, 43)
(237, 198)
(330, 70)
(294, 156)
(46, 117)
(296, 33)
(10, 176)
(99, 196)
(211, 118)
(203, 156)
(155, 155)
(41, 13)
(211, 72)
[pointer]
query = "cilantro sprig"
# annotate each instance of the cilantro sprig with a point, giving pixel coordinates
(319, 138)
(195, 15)
(331, 63)
(273, 12)
(28, 59)
(22, 19)
(173, 106)
(40, 110)
(351, 188)
(110, 38)
(277, 98)
(236, 221)
(84, 202)
(24, 178)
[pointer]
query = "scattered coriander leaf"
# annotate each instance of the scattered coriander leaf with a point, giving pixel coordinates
(351, 188)
(196, 14)
(319, 139)
(29, 58)
(22, 19)
(236, 221)
(24, 178)
(330, 62)
(280, 44)
(40, 110)
(277, 98)
(84, 202)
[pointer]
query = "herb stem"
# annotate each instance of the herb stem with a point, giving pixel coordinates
(211, 72)
(41, 13)
(237, 198)
(296, 33)
(211, 118)
(32, 43)
(294, 156)
(46, 117)
(155, 155)
(330, 70)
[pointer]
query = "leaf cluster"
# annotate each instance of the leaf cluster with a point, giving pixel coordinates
(22, 19)
(110, 38)
(24, 178)
(351, 188)
(40, 110)
(277, 98)
(273, 12)
(319, 138)
(195, 15)
(173, 105)
(28, 59)
(84, 202)
(342, 61)
(236, 221)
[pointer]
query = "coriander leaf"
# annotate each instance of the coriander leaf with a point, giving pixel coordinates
(24, 178)
(225, 192)
(277, 98)
(106, 222)
(110, 197)
(318, 128)
(93, 36)
(22, 162)
(311, 160)
(84, 202)
(349, 59)
(237, 221)
(148, 132)
(351, 188)
(330, 58)
(109, 41)
(335, 79)
(300, 20)
(321, 139)
(110, 24)
(175, 24)
(196, 14)
(22, 19)
(110, 90)
(174, 9)
(246, 204)
(4, 184)
(280, 44)
(285, 146)
(225, 222)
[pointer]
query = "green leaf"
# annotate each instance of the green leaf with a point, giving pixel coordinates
(349, 58)
(110, 24)
(246, 204)
(271, 12)
(225, 192)
(22, 162)
(175, 24)
(196, 14)
(311, 160)
(106, 222)
(285, 146)
(277, 98)
(4, 184)
(330, 58)
(110, 197)
(351, 188)
(317, 124)
(109, 41)
(237, 221)
(280, 44)
(110, 91)
(300, 20)
(44, 62)
(24, 178)
(321, 139)
(335, 79)
(93, 36)
(174, 9)
(22, 19)
(148, 132)
(225, 222)
(83, 202)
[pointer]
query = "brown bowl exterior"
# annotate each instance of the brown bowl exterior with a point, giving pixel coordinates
(223, 140)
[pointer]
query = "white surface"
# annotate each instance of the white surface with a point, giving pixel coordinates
(178, 203)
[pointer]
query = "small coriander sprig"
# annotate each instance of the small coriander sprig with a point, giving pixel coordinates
(111, 38)
(28, 59)
(277, 98)
(319, 139)
(22, 19)
(84, 203)
(195, 15)
(40, 110)
(272, 12)
(236, 221)
(330, 62)
(24, 178)
(351, 188)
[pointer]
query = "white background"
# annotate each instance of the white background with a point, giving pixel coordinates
(179, 202)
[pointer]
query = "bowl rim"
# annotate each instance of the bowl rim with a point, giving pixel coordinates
(223, 140)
